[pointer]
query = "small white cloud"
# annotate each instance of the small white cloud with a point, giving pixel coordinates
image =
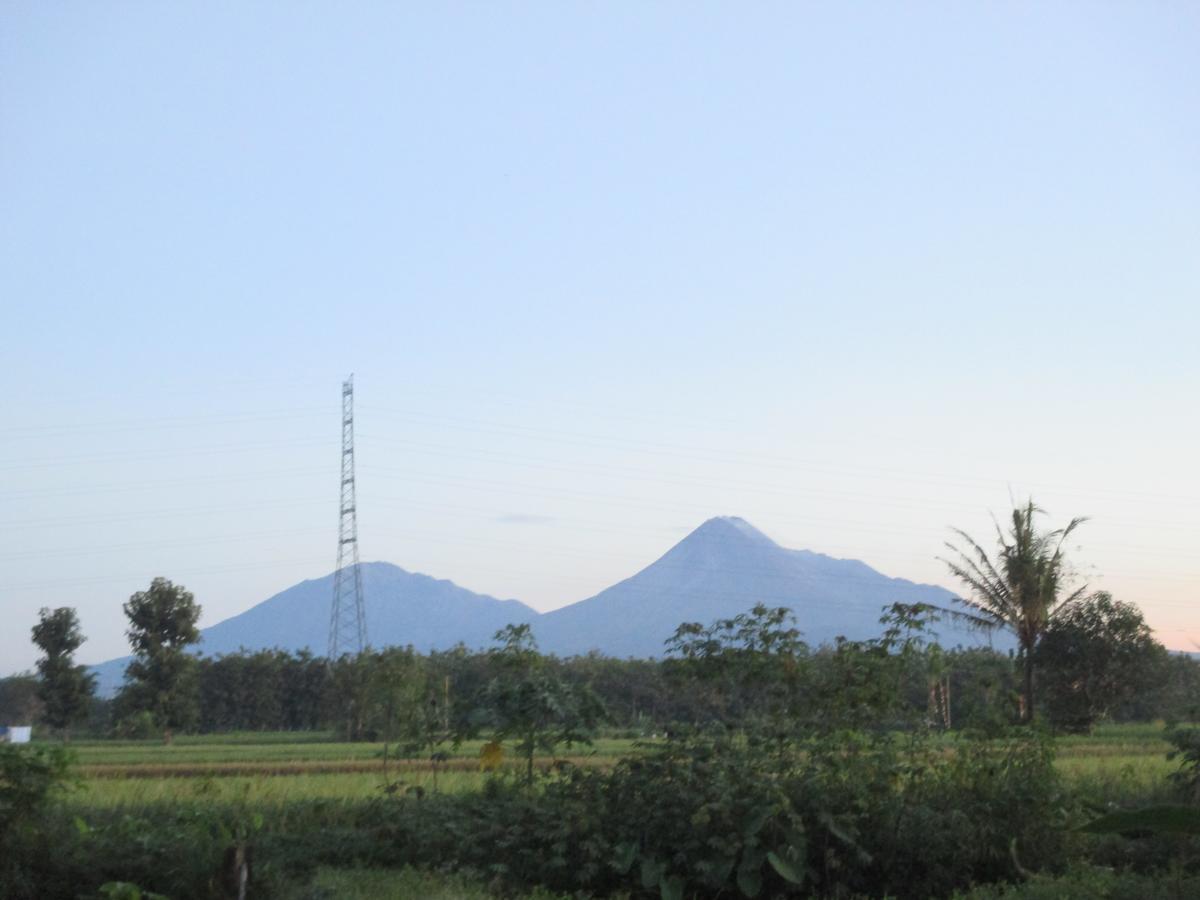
(524, 519)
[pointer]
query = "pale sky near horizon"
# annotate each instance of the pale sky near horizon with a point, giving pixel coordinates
(854, 272)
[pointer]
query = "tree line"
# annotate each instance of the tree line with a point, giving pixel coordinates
(1098, 663)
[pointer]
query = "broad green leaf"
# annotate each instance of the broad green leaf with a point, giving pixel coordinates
(749, 873)
(625, 855)
(755, 820)
(671, 888)
(716, 871)
(786, 870)
(652, 873)
(836, 829)
(797, 845)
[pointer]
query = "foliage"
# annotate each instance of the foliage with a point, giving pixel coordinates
(19, 700)
(930, 809)
(275, 690)
(1084, 882)
(784, 772)
(835, 811)
(708, 817)
(182, 851)
(400, 884)
(1175, 699)
(751, 667)
(1186, 749)
(28, 775)
(64, 688)
(1022, 589)
(1154, 819)
(526, 702)
(982, 688)
(137, 726)
(350, 680)
(1096, 655)
(28, 778)
(262, 689)
(403, 708)
(161, 678)
(124, 890)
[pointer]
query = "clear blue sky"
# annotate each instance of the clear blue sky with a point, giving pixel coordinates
(856, 272)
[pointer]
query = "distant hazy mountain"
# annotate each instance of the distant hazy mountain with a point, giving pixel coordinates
(401, 607)
(719, 570)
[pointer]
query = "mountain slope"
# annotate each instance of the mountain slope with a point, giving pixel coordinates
(401, 608)
(721, 569)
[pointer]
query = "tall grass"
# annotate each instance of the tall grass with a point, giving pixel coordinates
(259, 791)
(406, 884)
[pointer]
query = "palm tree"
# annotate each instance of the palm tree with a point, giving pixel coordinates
(1021, 590)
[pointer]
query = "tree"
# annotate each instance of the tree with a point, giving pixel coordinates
(161, 678)
(349, 695)
(1022, 589)
(1096, 655)
(753, 666)
(64, 688)
(528, 702)
(405, 707)
(19, 700)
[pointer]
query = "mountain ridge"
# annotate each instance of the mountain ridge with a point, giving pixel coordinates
(720, 569)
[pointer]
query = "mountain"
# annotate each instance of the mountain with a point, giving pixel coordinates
(401, 608)
(721, 569)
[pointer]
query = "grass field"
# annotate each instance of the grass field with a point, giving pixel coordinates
(274, 747)
(279, 767)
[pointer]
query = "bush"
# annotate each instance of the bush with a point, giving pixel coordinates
(720, 817)
(28, 778)
(1186, 744)
(137, 726)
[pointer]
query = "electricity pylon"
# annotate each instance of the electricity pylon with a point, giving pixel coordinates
(347, 620)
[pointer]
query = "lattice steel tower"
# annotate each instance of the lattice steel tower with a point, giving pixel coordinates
(347, 620)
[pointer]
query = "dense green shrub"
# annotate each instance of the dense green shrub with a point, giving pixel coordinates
(1186, 744)
(28, 778)
(706, 817)
(1096, 656)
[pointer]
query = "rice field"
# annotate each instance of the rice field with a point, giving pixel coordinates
(278, 768)
(271, 769)
(276, 747)
(260, 791)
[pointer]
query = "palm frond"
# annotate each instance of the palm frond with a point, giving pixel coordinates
(1020, 588)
